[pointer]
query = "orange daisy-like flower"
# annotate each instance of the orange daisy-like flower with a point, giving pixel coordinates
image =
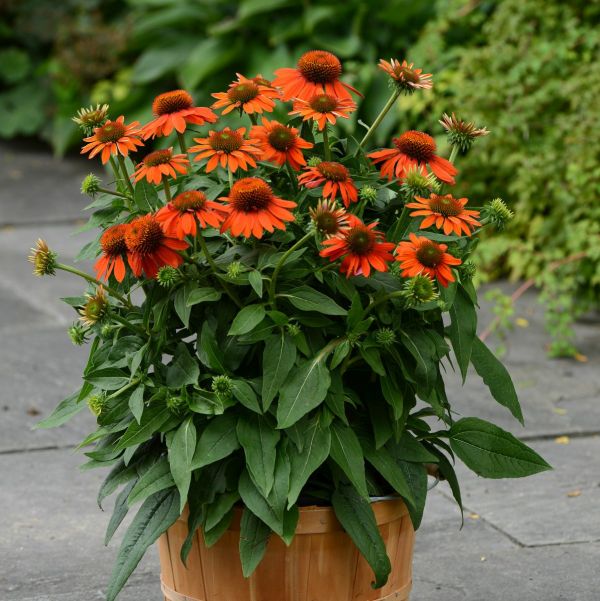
(404, 76)
(228, 148)
(329, 218)
(336, 178)
(248, 95)
(317, 72)
(159, 163)
(280, 143)
(362, 248)
(421, 255)
(323, 108)
(149, 248)
(113, 247)
(253, 208)
(113, 138)
(414, 149)
(446, 213)
(173, 111)
(179, 217)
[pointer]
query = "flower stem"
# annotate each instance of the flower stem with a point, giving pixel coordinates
(118, 174)
(113, 193)
(452, 159)
(182, 143)
(125, 174)
(230, 176)
(253, 118)
(125, 388)
(166, 187)
(383, 299)
(127, 324)
(282, 261)
(377, 122)
(292, 174)
(93, 280)
(326, 148)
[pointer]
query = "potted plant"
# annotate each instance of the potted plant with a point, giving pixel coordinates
(273, 308)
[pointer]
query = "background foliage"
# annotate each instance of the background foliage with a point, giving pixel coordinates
(526, 69)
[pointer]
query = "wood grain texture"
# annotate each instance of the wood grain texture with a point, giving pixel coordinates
(321, 564)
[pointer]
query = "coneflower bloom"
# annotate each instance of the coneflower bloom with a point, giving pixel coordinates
(404, 76)
(253, 208)
(227, 148)
(112, 243)
(159, 163)
(179, 217)
(113, 138)
(329, 218)
(95, 307)
(173, 111)
(446, 213)
(336, 179)
(414, 149)
(323, 108)
(317, 72)
(149, 248)
(362, 248)
(248, 95)
(419, 255)
(280, 143)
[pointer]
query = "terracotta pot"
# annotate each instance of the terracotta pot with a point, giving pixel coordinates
(321, 564)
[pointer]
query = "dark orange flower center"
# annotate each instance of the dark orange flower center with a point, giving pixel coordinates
(406, 74)
(250, 195)
(226, 140)
(144, 235)
(323, 103)
(192, 200)
(334, 172)
(429, 254)
(327, 222)
(111, 131)
(319, 66)
(158, 157)
(281, 138)
(243, 92)
(446, 205)
(360, 239)
(416, 145)
(112, 241)
(171, 102)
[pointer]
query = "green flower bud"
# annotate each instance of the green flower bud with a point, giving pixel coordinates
(168, 276)
(176, 404)
(314, 161)
(293, 329)
(43, 259)
(417, 184)
(497, 213)
(467, 271)
(461, 133)
(419, 289)
(97, 404)
(385, 336)
(222, 386)
(90, 185)
(368, 193)
(90, 118)
(234, 269)
(77, 334)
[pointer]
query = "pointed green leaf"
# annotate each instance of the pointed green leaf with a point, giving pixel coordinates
(279, 357)
(247, 319)
(254, 536)
(156, 478)
(202, 295)
(121, 509)
(181, 453)
(136, 403)
(347, 453)
(63, 412)
(184, 368)
(152, 420)
(306, 298)
(218, 440)
(462, 330)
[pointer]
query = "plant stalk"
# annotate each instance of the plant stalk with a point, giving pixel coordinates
(125, 174)
(166, 187)
(182, 143)
(326, 147)
(380, 117)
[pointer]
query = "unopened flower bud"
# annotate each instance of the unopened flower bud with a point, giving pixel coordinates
(176, 404)
(222, 387)
(385, 336)
(461, 133)
(90, 185)
(314, 161)
(43, 259)
(467, 271)
(95, 308)
(293, 329)
(90, 118)
(77, 334)
(419, 289)
(97, 404)
(234, 269)
(497, 213)
(417, 184)
(368, 193)
(168, 276)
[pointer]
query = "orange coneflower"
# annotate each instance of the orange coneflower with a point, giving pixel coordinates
(329, 218)
(173, 111)
(228, 148)
(159, 163)
(253, 208)
(413, 149)
(317, 72)
(446, 213)
(404, 76)
(249, 95)
(149, 248)
(323, 108)
(337, 179)
(361, 247)
(113, 138)
(113, 247)
(280, 143)
(423, 256)
(179, 217)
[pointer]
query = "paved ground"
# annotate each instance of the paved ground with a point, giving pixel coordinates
(523, 540)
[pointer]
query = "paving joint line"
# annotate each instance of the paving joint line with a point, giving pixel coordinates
(38, 449)
(552, 436)
(7, 226)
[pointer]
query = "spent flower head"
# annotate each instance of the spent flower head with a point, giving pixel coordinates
(461, 133)
(77, 334)
(90, 118)
(43, 259)
(419, 289)
(90, 185)
(497, 213)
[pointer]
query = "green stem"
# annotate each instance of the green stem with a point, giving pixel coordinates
(253, 118)
(125, 174)
(182, 143)
(348, 362)
(402, 223)
(383, 299)
(166, 187)
(129, 325)
(377, 122)
(326, 148)
(113, 193)
(118, 174)
(131, 384)
(282, 261)
(451, 158)
(293, 178)
(93, 280)
(230, 176)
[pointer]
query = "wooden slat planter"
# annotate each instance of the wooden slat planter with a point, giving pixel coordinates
(321, 564)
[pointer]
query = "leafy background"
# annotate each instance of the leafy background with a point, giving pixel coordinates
(529, 70)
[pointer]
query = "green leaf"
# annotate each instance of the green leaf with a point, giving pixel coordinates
(496, 377)
(462, 330)
(119, 474)
(347, 453)
(279, 357)
(63, 412)
(247, 319)
(256, 281)
(373, 358)
(306, 298)
(213, 535)
(136, 402)
(109, 378)
(120, 510)
(219, 508)
(356, 516)
(259, 439)
(156, 478)
(183, 370)
(208, 350)
(408, 448)
(182, 309)
(203, 295)
(152, 420)
(491, 452)
(181, 453)
(415, 475)
(209, 56)
(422, 348)
(156, 62)
(340, 353)
(245, 394)
(254, 536)
(145, 196)
(304, 389)
(157, 514)
(218, 440)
